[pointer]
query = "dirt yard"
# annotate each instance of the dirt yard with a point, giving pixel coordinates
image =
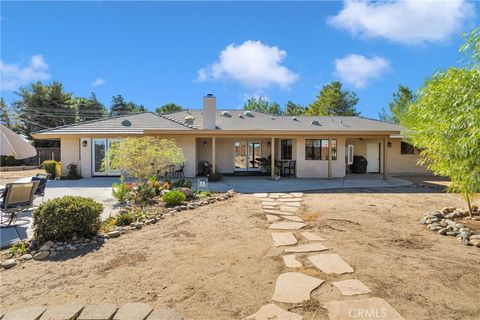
(218, 262)
(12, 176)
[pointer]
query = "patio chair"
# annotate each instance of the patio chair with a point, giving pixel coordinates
(204, 168)
(42, 178)
(17, 197)
(179, 172)
(290, 169)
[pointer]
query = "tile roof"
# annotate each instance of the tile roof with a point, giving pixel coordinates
(226, 120)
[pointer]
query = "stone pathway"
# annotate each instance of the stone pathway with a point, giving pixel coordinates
(296, 287)
(129, 311)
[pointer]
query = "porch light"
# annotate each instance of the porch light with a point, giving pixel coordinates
(389, 144)
(269, 144)
(205, 143)
(84, 143)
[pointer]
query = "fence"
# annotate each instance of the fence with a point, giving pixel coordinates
(43, 154)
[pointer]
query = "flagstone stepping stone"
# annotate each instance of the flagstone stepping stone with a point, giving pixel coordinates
(291, 261)
(272, 311)
(309, 247)
(297, 194)
(291, 204)
(283, 239)
(288, 209)
(103, 311)
(287, 196)
(294, 287)
(351, 287)
(272, 218)
(293, 218)
(290, 199)
(62, 312)
(311, 236)
(371, 308)
(133, 311)
(165, 313)
(261, 195)
(330, 263)
(269, 207)
(287, 225)
(278, 212)
(278, 194)
(28, 313)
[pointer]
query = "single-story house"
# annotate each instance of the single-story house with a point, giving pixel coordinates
(231, 140)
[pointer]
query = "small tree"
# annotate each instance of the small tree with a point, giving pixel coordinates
(143, 157)
(293, 109)
(262, 105)
(332, 100)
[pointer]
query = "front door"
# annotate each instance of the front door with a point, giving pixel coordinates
(244, 155)
(373, 157)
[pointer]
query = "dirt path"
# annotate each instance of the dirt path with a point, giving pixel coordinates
(214, 262)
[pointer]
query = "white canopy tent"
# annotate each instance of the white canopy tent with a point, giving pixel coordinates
(11, 144)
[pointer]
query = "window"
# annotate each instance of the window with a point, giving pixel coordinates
(317, 149)
(286, 149)
(407, 148)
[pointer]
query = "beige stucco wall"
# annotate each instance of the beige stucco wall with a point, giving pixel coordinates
(319, 168)
(70, 152)
(86, 157)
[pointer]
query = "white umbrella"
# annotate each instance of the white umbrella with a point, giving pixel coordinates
(11, 144)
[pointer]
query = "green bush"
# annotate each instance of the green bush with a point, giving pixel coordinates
(124, 219)
(61, 218)
(173, 198)
(182, 183)
(203, 194)
(144, 194)
(51, 167)
(120, 190)
(72, 172)
(215, 177)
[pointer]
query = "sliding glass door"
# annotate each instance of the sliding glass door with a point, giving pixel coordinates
(244, 155)
(99, 151)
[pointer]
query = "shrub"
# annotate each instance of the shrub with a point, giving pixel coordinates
(155, 185)
(182, 183)
(203, 194)
(144, 193)
(52, 167)
(72, 172)
(120, 190)
(124, 219)
(61, 218)
(173, 198)
(215, 177)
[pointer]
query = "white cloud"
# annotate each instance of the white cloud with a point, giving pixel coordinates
(18, 74)
(358, 70)
(253, 64)
(409, 22)
(98, 82)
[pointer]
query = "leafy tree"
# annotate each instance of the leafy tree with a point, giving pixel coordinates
(5, 117)
(402, 99)
(168, 108)
(471, 48)
(333, 101)
(120, 107)
(89, 108)
(44, 106)
(293, 109)
(444, 121)
(143, 157)
(262, 105)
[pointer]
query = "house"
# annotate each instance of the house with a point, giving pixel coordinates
(230, 140)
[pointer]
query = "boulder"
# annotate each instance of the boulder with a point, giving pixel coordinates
(186, 191)
(114, 234)
(41, 255)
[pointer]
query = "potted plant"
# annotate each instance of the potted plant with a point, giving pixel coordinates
(277, 173)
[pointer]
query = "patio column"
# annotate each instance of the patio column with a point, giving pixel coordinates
(385, 158)
(329, 158)
(213, 155)
(272, 164)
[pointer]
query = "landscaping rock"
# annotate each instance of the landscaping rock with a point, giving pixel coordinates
(9, 263)
(138, 225)
(186, 191)
(41, 255)
(114, 234)
(26, 257)
(475, 242)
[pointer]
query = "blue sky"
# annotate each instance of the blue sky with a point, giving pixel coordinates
(158, 52)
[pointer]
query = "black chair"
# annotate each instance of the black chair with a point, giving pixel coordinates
(291, 169)
(179, 172)
(204, 168)
(42, 179)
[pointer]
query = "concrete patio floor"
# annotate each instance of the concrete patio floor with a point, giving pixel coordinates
(100, 189)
